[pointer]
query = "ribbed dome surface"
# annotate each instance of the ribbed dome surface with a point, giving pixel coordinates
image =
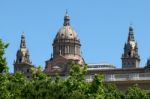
(66, 32)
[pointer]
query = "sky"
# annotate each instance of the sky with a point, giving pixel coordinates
(102, 26)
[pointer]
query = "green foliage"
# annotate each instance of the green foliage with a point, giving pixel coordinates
(37, 73)
(135, 92)
(11, 85)
(97, 89)
(111, 92)
(41, 86)
(76, 80)
(17, 86)
(147, 92)
(3, 63)
(4, 82)
(44, 87)
(75, 86)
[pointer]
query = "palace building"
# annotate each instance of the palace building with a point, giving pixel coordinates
(66, 47)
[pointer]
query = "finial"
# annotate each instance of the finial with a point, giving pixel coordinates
(131, 34)
(130, 27)
(23, 43)
(66, 19)
(23, 35)
(66, 14)
(130, 23)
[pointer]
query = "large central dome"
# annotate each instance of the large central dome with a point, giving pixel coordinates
(66, 48)
(66, 32)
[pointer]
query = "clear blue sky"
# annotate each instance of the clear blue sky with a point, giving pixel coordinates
(102, 26)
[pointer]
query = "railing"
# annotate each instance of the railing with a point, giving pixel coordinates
(122, 77)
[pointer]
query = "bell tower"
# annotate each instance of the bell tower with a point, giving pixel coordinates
(23, 53)
(130, 57)
(22, 62)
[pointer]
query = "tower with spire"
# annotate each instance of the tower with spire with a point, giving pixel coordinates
(130, 57)
(22, 62)
(66, 47)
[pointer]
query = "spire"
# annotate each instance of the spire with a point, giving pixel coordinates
(130, 57)
(23, 42)
(66, 19)
(131, 34)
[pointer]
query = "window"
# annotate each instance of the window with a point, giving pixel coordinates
(133, 63)
(129, 53)
(28, 70)
(20, 60)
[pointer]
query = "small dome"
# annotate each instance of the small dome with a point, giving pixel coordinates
(130, 28)
(66, 32)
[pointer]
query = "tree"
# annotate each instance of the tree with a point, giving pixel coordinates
(3, 63)
(135, 92)
(4, 81)
(97, 89)
(112, 92)
(75, 86)
(37, 73)
(16, 84)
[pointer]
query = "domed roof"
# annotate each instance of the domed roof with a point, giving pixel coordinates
(66, 32)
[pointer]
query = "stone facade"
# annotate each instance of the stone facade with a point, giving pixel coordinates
(22, 62)
(130, 73)
(66, 47)
(130, 57)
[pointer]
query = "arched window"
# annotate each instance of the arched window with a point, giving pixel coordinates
(20, 60)
(129, 53)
